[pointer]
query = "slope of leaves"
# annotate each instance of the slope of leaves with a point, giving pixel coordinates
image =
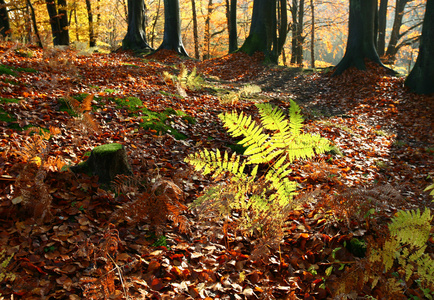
(87, 248)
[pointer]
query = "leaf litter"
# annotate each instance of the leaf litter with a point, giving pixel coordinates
(85, 246)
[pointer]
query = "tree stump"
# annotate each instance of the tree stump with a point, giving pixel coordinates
(105, 161)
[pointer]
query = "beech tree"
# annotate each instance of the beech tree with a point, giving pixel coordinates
(231, 15)
(297, 12)
(361, 36)
(92, 36)
(421, 77)
(195, 33)
(135, 39)
(172, 39)
(59, 21)
(382, 22)
(263, 29)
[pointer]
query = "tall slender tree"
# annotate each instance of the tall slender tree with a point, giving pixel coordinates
(361, 36)
(382, 22)
(59, 21)
(195, 32)
(421, 77)
(172, 39)
(135, 39)
(231, 16)
(92, 36)
(297, 12)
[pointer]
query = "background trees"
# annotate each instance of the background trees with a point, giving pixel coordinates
(209, 28)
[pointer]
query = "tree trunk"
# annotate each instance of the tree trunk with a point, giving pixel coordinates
(382, 22)
(172, 39)
(195, 33)
(283, 25)
(361, 34)
(5, 28)
(92, 37)
(300, 37)
(64, 24)
(297, 12)
(135, 39)
(207, 34)
(35, 25)
(232, 26)
(312, 37)
(421, 78)
(263, 31)
(390, 55)
(59, 22)
(294, 30)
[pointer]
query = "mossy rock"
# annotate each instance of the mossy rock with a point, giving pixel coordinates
(105, 161)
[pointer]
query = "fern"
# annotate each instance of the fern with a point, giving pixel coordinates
(191, 81)
(4, 262)
(257, 196)
(404, 249)
(430, 187)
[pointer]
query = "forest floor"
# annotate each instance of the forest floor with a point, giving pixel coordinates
(71, 239)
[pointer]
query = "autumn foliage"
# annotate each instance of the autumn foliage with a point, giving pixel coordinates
(67, 237)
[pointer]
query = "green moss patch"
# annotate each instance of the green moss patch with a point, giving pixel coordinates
(13, 71)
(131, 103)
(5, 116)
(107, 148)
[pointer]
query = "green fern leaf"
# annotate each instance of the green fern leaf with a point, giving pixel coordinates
(296, 119)
(272, 118)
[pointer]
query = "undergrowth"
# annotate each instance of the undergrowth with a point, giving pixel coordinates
(259, 197)
(403, 250)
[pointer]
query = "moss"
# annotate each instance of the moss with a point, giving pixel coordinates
(357, 247)
(13, 71)
(107, 148)
(7, 70)
(6, 117)
(132, 103)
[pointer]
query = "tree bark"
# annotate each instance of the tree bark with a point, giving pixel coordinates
(172, 39)
(135, 39)
(361, 35)
(421, 78)
(297, 12)
(5, 28)
(92, 37)
(312, 37)
(232, 25)
(207, 33)
(263, 31)
(58, 21)
(195, 33)
(382, 22)
(105, 161)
